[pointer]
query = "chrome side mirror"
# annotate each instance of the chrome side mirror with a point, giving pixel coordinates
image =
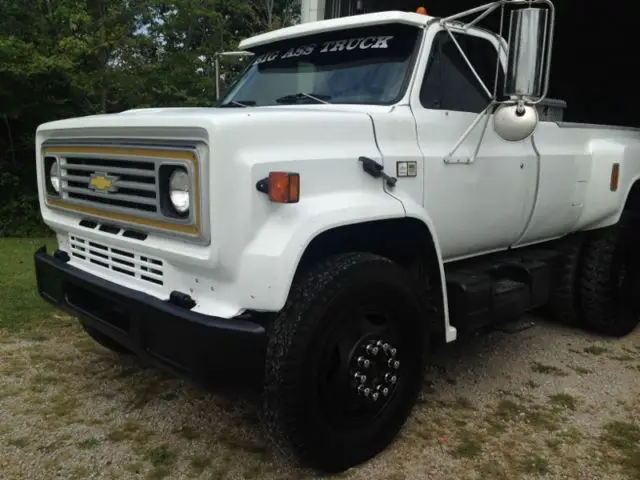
(514, 123)
(527, 76)
(527, 41)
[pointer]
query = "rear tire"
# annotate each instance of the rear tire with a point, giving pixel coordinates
(352, 315)
(610, 280)
(564, 300)
(105, 341)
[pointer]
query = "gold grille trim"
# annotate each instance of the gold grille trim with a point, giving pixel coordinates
(131, 154)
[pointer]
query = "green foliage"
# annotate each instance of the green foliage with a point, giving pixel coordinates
(65, 58)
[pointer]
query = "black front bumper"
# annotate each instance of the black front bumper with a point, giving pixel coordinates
(209, 349)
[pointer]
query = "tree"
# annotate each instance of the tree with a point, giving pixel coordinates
(64, 58)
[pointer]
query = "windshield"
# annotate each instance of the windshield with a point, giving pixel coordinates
(365, 65)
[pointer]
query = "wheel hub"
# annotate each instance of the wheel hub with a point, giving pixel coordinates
(375, 369)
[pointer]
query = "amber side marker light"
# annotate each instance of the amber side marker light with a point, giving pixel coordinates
(615, 177)
(281, 187)
(422, 11)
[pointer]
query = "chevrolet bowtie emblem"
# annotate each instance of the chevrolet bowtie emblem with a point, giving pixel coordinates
(101, 182)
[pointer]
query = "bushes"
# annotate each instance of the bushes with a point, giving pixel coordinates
(19, 209)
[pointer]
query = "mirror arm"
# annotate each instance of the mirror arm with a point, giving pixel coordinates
(466, 60)
(466, 160)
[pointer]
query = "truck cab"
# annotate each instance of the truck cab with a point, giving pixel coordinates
(369, 185)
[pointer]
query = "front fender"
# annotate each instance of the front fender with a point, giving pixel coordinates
(414, 210)
(269, 262)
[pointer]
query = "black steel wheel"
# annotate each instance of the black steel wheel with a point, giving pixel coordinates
(610, 280)
(344, 362)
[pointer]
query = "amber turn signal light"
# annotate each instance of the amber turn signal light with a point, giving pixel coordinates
(615, 177)
(281, 187)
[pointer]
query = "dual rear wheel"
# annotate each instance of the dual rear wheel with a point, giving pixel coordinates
(600, 286)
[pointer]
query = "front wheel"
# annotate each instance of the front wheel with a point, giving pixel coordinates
(344, 362)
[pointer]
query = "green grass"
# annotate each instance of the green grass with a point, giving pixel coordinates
(548, 369)
(469, 446)
(596, 350)
(564, 400)
(535, 464)
(624, 438)
(20, 304)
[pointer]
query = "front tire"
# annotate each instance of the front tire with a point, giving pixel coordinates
(344, 362)
(610, 280)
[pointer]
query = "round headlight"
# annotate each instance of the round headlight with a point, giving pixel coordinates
(179, 191)
(54, 177)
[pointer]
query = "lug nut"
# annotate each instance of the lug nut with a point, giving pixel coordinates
(394, 379)
(385, 391)
(393, 352)
(360, 378)
(396, 364)
(367, 392)
(372, 350)
(364, 362)
(361, 389)
(375, 396)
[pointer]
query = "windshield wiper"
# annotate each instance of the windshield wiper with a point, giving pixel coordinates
(295, 97)
(235, 103)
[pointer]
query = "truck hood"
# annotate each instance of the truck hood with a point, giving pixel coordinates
(298, 108)
(198, 117)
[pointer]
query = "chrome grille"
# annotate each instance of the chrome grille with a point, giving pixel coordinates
(125, 185)
(134, 182)
(122, 261)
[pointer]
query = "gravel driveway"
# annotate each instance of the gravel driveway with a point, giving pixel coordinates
(548, 402)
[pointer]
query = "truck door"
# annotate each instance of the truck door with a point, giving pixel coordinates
(480, 204)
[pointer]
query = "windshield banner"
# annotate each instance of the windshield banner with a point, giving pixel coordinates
(359, 43)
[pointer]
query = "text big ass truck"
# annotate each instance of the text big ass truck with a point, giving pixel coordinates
(368, 186)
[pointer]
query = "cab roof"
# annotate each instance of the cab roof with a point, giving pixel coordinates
(335, 24)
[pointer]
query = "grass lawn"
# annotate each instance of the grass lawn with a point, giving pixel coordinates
(20, 304)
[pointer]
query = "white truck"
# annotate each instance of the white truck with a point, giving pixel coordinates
(358, 194)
